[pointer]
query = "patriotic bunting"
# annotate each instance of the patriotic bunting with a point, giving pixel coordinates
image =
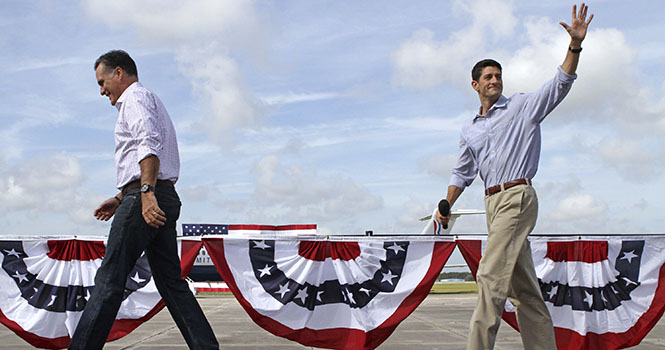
(339, 293)
(47, 282)
(603, 292)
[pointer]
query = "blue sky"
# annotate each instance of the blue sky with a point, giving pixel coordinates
(341, 113)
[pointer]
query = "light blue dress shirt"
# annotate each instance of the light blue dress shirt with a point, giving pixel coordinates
(504, 144)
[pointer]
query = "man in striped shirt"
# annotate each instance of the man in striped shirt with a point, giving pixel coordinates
(502, 144)
(146, 210)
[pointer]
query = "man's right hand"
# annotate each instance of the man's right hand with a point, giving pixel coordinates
(106, 210)
(443, 220)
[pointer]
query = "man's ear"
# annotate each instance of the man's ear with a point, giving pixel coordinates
(474, 85)
(118, 72)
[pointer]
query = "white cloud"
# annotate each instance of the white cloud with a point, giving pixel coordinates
(422, 62)
(220, 85)
(302, 194)
(292, 97)
(201, 34)
(441, 165)
(634, 159)
(43, 183)
(579, 206)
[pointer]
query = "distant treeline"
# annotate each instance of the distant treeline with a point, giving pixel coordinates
(466, 276)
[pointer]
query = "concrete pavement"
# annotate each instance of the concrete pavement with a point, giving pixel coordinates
(440, 322)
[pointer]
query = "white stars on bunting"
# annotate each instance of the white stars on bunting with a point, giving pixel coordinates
(20, 276)
(388, 277)
(364, 290)
(628, 281)
(349, 295)
(629, 256)
(552, 292)
(588, 298)
(137, 278)
(396, 248)
(52, 301)
(283, 289)
(318, 295)
(265, 271)
(302, 295)
(13, 253)
(261, 245)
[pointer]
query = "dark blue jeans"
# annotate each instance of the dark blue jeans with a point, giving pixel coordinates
(129, 237)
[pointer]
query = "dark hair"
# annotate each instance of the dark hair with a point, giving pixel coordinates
(118, 58)
(478, 68)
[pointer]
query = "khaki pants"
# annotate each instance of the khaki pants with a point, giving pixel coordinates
(506, 271)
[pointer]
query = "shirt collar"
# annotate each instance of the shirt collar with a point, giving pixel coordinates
(500, 103)
(124, 94)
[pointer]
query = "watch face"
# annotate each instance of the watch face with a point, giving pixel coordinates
(145, 188)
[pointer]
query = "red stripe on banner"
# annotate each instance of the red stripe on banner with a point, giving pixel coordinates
(334, 338)
(273, 228)
(582, 251)
(122, 327)
(189, 250)
(567, 339)
(32, 339)
(320, 250)
(73, 249)
(472, 252)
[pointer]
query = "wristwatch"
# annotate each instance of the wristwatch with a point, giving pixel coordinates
(147, 188)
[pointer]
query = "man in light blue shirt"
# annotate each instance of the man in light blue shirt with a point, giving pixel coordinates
(502, 144)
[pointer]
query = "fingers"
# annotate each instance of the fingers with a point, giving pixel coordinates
(154, 217)
(583, 9)
(102, 215)
(443, 220)
(589, 21)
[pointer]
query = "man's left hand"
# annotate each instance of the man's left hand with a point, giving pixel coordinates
(578, 27)
(152, 214)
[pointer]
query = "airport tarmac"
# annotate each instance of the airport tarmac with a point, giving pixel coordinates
(440, 322)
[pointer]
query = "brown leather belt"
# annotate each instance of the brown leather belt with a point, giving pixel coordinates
(137, 183)
(504, 186)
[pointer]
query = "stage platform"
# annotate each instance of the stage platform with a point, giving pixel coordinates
(440, 322)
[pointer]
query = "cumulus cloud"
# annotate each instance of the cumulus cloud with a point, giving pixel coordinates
(303, 194)
(43, 184)
(633, 159)
(441, 165)
(578, 206)
(423, 62)
(201, 34)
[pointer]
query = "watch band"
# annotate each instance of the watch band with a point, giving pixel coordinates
(147, 188)
(578, 50)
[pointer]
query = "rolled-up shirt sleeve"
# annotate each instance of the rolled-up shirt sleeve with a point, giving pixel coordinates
(146, 127)
(466, 169)
(540, 103)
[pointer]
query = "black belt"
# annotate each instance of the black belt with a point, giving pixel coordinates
(506, 185)
(137, 183)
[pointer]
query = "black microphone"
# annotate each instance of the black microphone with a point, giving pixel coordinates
(444, 209)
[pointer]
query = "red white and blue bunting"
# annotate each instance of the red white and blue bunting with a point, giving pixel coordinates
(46, 282)
(340, 292)
(603, 292)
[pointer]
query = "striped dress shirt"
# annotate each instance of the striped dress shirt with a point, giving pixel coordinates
(504, 144)
(144, 128)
